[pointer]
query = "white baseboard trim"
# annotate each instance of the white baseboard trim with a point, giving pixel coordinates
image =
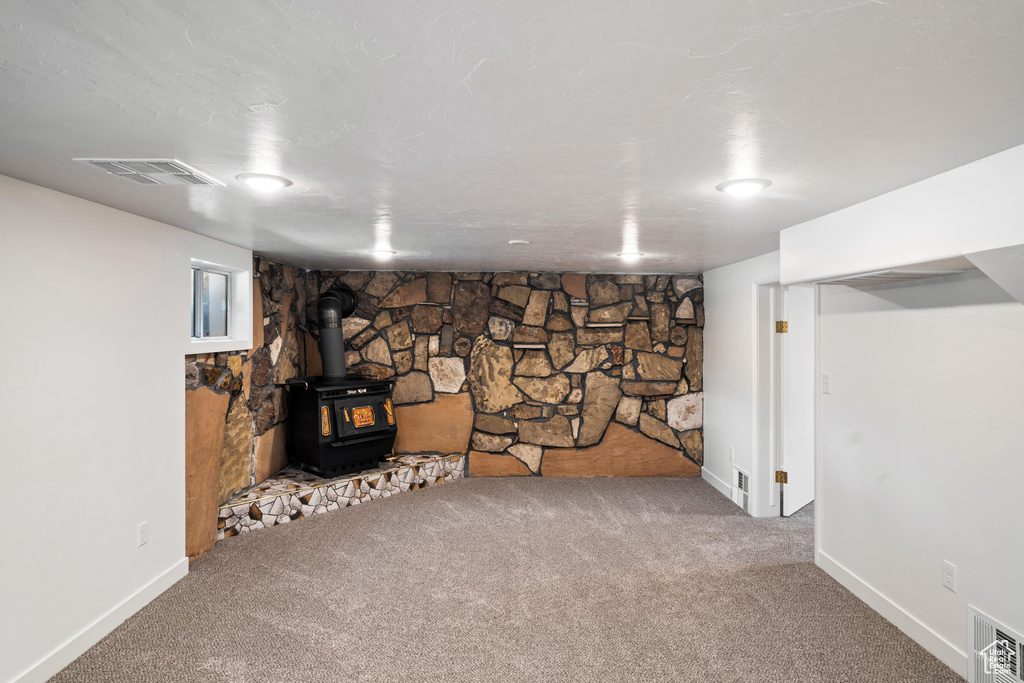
(721, 486)
(945, 651)
(76, 646)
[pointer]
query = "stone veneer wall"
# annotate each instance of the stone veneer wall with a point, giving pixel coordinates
(527, 373)
(235, 402)
(535, 373)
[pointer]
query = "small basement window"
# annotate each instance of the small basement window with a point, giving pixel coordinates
(221, 308)
(210, 303)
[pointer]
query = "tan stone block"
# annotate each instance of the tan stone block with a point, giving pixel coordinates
(600, 397)
(399, 336)
(494, 424)
(534, 363)
(657, 408)
(622, 453)
(588, 359)
(420, 355)
(553, 432)
(693, 445)
(490, 377)
(525, 411)
(602, 293)
(695, 358)
(439, 288)
(413, 388)
(410, 293)
(649, 389)
(442, 426)
(205, 413)
(656, 429)
(246, 373)
(381, 284)
(651, 366)
(257, 316)
(403, 361)
(659, 322)
(529, 453)
(544, 389)
(562, 349)
(684, 313)
(537, 309)
(575, 285)
(447, 374)
(515, 294)
(596, 336)
(427, 319)
(236, 451)
(494, 443)
(628, 411)
(611, 314)
(638, 336)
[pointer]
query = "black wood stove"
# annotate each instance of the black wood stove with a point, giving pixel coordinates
(338, 425)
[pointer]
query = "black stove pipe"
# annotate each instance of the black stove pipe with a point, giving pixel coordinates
(331, 307)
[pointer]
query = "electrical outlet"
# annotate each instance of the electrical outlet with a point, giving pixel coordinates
(143, 534)
(732, 454)
(949, 575)
(826, 382)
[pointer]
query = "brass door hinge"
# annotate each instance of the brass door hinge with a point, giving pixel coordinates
(781, 326)
(781, 477)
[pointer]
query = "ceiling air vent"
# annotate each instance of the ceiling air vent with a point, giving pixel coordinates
(995, 651)
(154, 171)
(885, 277)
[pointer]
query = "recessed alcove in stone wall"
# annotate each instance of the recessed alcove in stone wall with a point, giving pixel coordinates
(527, 371)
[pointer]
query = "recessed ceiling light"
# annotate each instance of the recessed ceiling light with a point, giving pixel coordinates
(518, 243)
(383, 254)
(264, 182)
(631, 256)
(745, 187)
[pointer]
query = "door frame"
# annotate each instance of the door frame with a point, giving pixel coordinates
(767, 405)
(771, 304)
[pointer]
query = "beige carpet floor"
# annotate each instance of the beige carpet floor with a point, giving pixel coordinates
(523, 579)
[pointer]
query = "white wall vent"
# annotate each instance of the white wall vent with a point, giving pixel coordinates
(741, 489)
(885, 277)
(154, 171)
(996, 652)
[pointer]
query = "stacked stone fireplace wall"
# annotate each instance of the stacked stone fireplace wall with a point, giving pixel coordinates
(535, 373)
(528, 373)
(235, 404)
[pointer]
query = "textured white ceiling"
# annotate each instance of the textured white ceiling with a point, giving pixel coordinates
(574, 125)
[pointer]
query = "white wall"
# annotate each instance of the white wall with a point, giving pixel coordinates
(730, 366)
(92, 417)
(922, 453)
(975, 207)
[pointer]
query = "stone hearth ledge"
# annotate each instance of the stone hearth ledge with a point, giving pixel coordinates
(293, 494)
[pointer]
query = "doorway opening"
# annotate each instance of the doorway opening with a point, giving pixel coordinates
(786, 398)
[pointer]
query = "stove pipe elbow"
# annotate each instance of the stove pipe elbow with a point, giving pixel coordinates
(332, 306)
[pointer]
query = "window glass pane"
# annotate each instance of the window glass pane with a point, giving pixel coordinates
(215, 305)
(195, 284)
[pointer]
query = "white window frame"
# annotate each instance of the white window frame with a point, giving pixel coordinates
(197, 303)
(240, 293)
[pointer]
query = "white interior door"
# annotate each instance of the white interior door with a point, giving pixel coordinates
(797, 375)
